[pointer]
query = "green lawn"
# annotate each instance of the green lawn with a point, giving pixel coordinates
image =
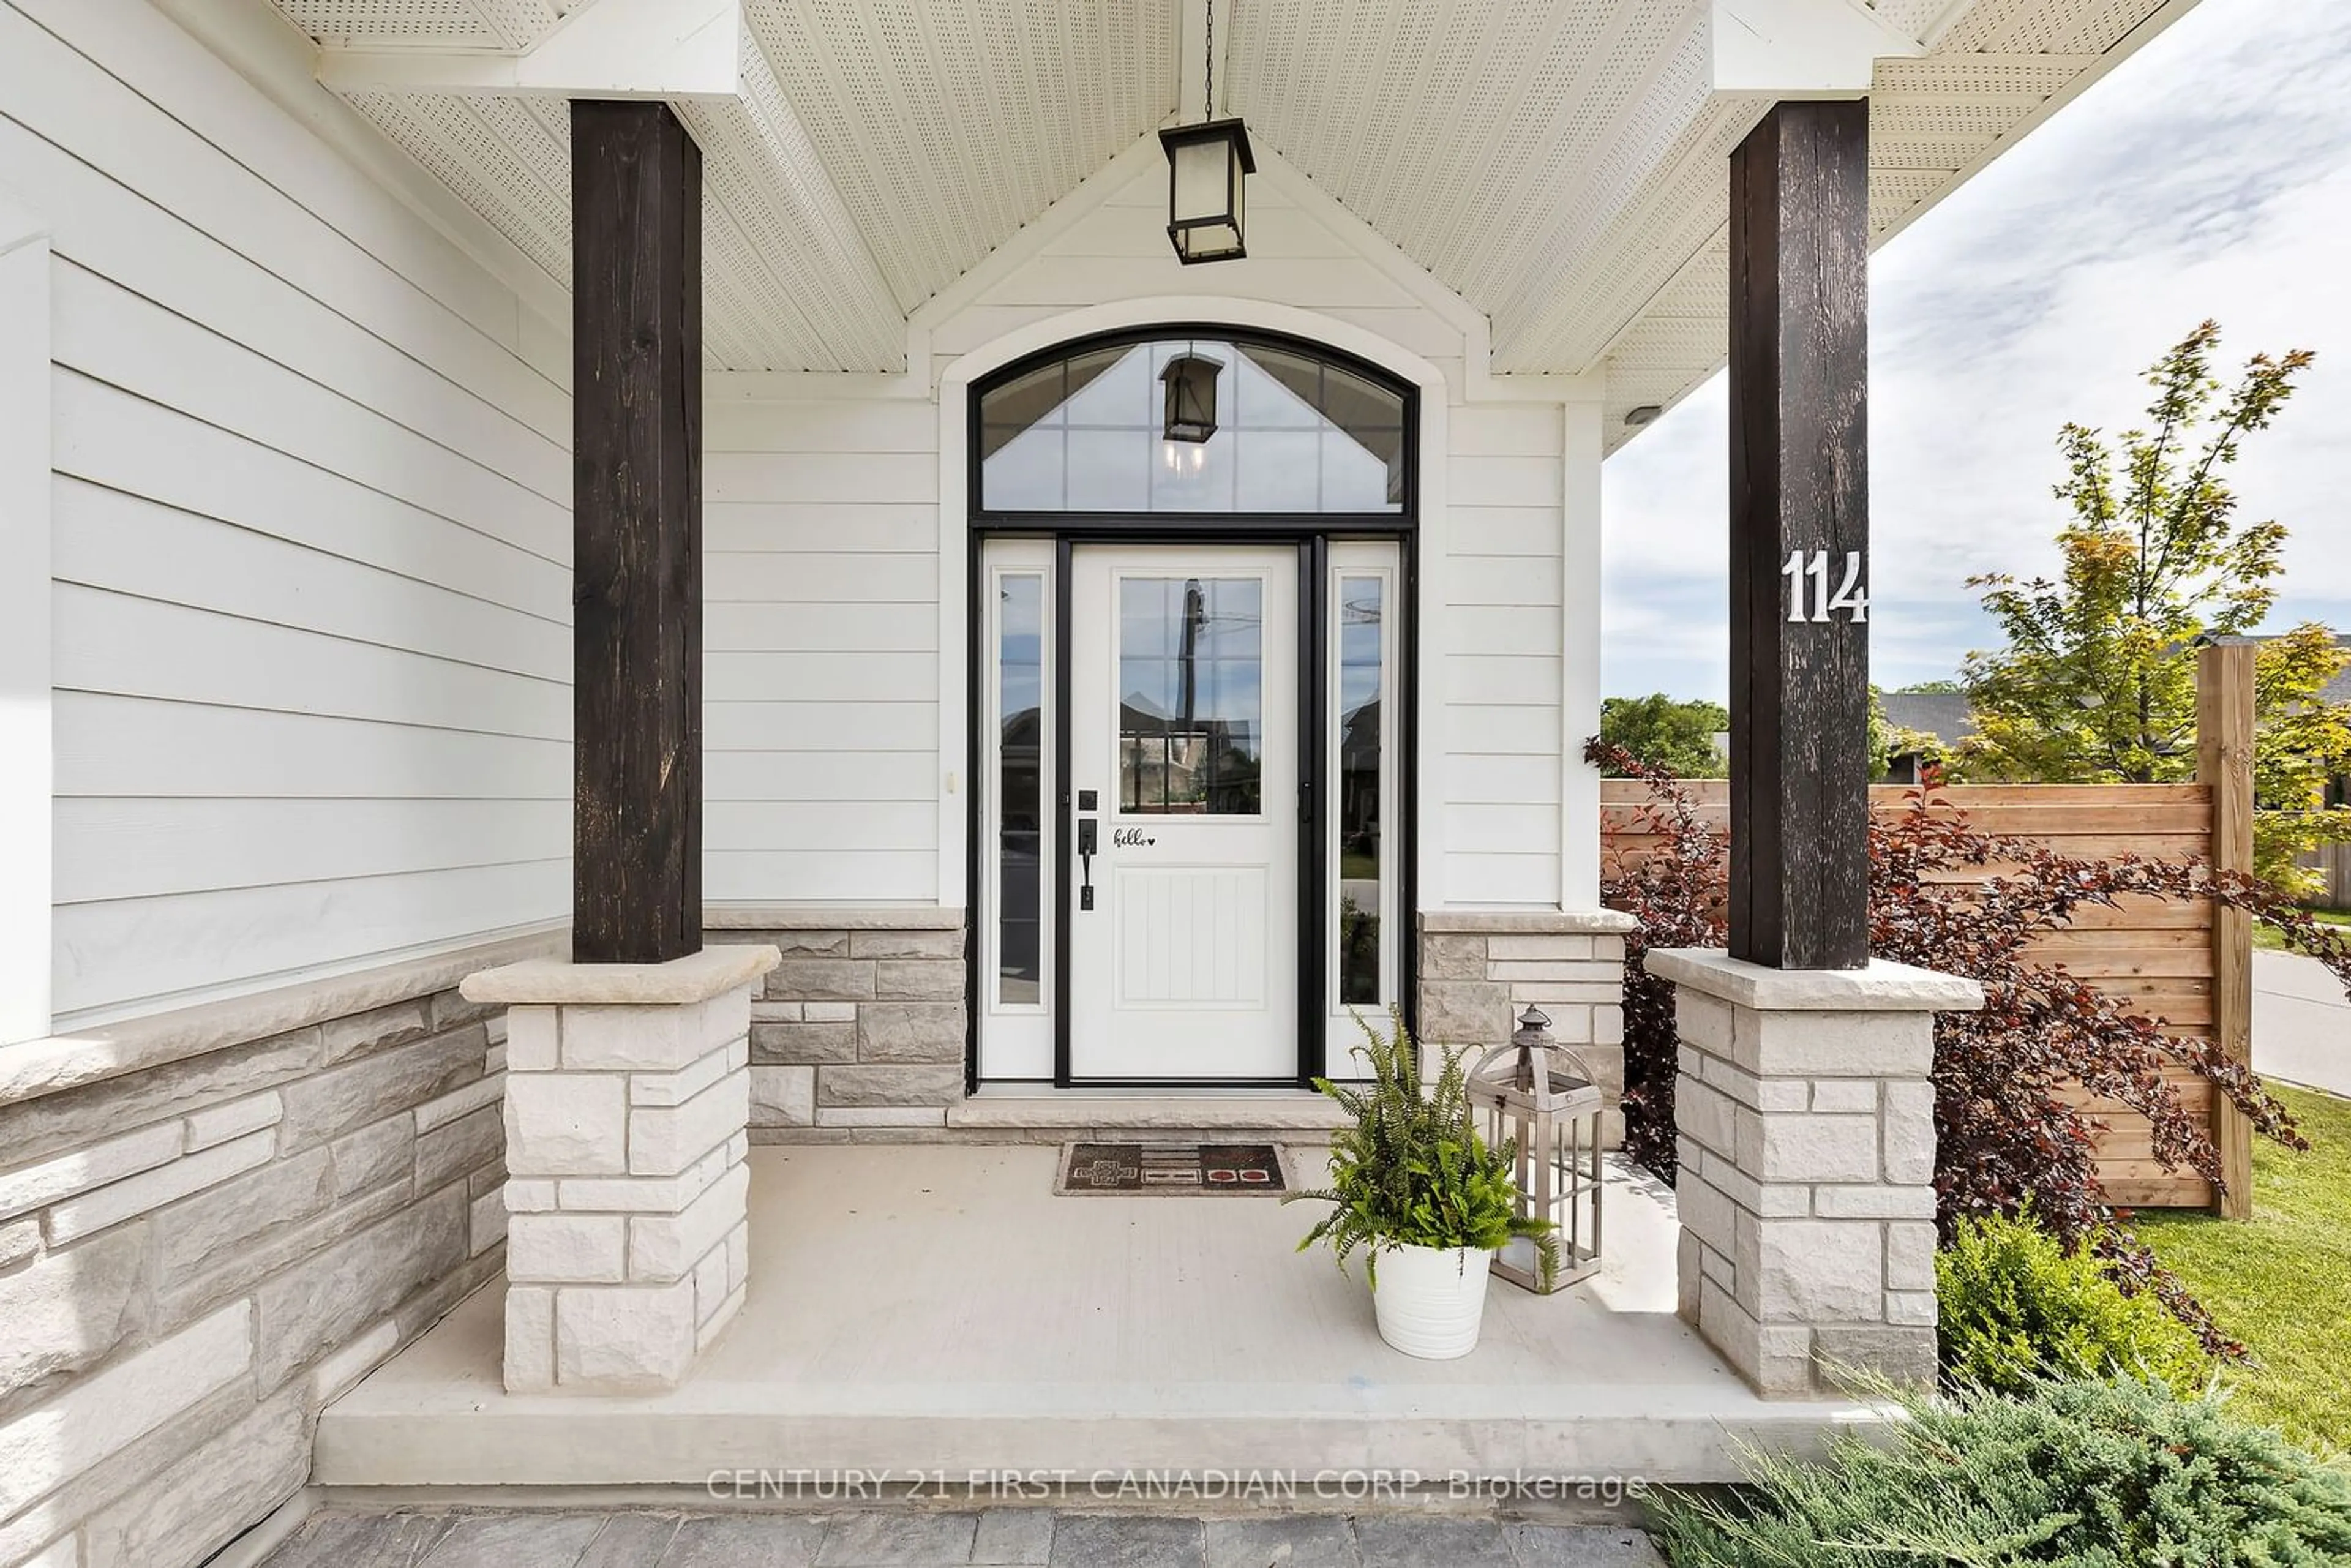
(2282, 1281)
(2265, 937)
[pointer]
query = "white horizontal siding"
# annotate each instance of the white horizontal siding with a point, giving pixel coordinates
(842, 573)
(789, 725)
(788, 526)
(120, 643)
(828, 677)
(188, 943)
(192, 137)
(1503, 677)
(157, 845)
(124, 443)
(777, 626)
(820, 476)
(312, 540)
(107, 746)
(771, 777)
(820, 665)
(121, 543)
(867, 876)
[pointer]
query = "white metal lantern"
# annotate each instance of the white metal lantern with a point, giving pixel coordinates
(1541, 1096)
(1209, 166)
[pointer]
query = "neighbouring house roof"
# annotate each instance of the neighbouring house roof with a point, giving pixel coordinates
(1559, 168)
(1943, 715)
(2337, 690)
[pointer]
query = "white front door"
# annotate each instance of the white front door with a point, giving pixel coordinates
(1184, 737)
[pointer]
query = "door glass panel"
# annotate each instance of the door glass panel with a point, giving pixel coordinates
(1020, 623)
(1191, 682)
(1363, 633)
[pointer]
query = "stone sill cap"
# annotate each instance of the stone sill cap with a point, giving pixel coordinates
(831, 918)
(1881, 988)
(1528, 922)
(30, 1069)
(552, 982)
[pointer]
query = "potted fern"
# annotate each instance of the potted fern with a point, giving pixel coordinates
(1427, 1199)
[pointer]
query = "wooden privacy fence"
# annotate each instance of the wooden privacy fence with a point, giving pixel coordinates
(2187, 964)
(2334, 861)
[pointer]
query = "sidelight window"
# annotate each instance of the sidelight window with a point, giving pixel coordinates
(1020, 812)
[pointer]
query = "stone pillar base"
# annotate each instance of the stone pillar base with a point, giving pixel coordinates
(628, 1101)
(1805, 1120)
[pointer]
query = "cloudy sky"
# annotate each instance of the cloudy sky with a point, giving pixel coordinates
(2208, 175)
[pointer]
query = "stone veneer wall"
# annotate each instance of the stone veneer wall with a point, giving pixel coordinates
(1479, 969)
(198, 1253)
(859, 1032)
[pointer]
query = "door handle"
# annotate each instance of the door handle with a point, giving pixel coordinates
(1086, 861)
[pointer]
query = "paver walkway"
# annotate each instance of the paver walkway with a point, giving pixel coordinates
(2302, 1023)
(911, 1537)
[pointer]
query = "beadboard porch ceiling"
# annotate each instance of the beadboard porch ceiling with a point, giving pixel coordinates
(1560, 164)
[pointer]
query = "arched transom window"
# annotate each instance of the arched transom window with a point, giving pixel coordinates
(1203, 426)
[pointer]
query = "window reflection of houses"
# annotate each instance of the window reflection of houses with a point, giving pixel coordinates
(1357, 788)
(1174, 767)
(1023, 838)
(1197, 645)
(1359, 854)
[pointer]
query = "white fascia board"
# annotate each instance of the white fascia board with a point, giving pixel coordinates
(683, 49)
(1799, 49)
(1580, 389)
(26, 775)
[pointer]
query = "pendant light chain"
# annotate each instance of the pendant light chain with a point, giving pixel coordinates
(1208, 93)
(1207, 161)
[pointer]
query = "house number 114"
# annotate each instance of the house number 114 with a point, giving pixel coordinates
(1812, 572)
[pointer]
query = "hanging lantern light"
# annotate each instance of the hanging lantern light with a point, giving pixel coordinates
(1208, 165)
(1190, 383)
(1539, 1095)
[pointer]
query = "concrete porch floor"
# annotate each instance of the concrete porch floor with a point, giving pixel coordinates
(937, 1312)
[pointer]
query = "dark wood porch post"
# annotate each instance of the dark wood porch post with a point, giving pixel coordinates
(636, 403)
(1800, 538)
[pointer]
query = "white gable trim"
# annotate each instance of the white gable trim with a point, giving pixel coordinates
(26, 775)
(1142, 158)
(1057, 220)
(1212, 309)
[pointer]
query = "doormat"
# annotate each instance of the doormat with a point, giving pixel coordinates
(1179, 1169)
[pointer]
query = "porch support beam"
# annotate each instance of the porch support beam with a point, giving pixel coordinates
(636, 203)
(1800, 538)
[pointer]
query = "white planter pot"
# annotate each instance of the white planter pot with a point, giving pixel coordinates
(1428, 1300)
